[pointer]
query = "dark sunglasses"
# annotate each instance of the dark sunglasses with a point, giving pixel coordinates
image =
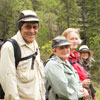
(63, 47)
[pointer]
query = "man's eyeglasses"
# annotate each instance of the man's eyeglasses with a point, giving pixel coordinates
(30, 27)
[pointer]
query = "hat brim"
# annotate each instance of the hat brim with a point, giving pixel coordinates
(31, 19)
(91, 52)
(62, 44)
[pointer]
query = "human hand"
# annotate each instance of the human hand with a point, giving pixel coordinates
(85, 94)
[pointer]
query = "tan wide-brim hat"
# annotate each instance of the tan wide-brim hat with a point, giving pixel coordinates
(84, 48)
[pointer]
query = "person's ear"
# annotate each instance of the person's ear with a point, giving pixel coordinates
(54, 50)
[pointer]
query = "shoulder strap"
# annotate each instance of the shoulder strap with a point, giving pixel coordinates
(2, 41)
(17, 51)
(44, 63)
(17, 54)
(76, 61)
(70, 60)
(33, 56)
(1, 93)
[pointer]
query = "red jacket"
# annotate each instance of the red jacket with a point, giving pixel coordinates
(74, 59)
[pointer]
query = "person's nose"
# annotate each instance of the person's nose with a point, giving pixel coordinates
(75, 40)
(32, 30)
(65, 49)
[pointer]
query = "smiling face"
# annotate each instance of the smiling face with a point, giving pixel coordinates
(84, 55)
(72, 35)
(29, 31)
(73, 38)
(62, 52)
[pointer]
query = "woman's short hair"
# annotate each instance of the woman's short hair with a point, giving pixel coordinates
(69, 30)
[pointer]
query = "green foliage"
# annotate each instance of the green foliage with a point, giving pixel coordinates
(47, 27)
(94, 43)
(48, 5)
(97, 88)
(55, 16)
(49, 12)
(71, 13)
(46, 50)
(9, 12)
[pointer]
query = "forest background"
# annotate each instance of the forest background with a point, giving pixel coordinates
(56, 16)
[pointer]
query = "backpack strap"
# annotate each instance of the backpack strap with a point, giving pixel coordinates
(47, 92)
(17, 54)
(17, 51)
(1, 93)
(2, 41)
(33, 56)
(70, 60)
(76, 61)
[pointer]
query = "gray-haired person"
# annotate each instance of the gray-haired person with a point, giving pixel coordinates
(27, 81)
(61, 79)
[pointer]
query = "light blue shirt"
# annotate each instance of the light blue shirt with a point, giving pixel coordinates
(63, 79)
